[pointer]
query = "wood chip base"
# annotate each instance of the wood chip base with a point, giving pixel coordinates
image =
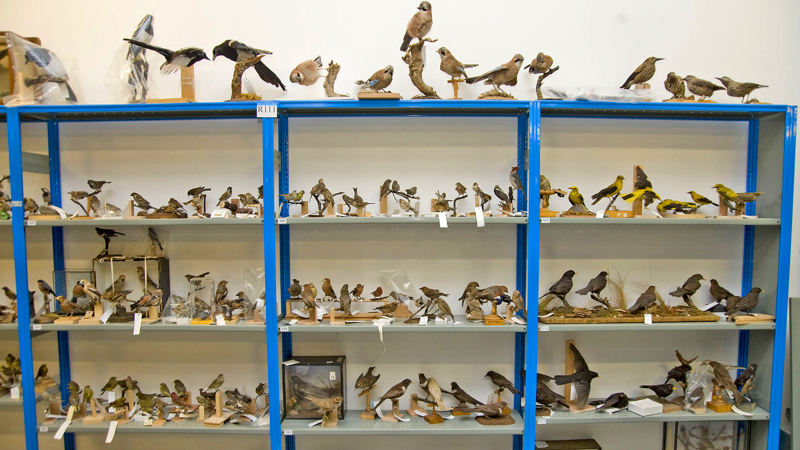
(490, 421)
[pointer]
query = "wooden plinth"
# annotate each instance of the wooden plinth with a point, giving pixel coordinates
(384, 205)
(379, 96)
(493, 320)
(719, 405)
(501, 420)
(745, 319)
(67, 320)
(402, 311)
(454, 82)
(460, 413)
(618, 214)
(202, 321)
(544, 212)
(434, 418)
(684, 216)
(332, 421)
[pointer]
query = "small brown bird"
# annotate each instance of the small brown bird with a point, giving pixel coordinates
(723, 376)
(451, 66)
(504, 74)
(248, 199)
(309, 299)
(379, 80)
(490, 410)
(45, 288)
(461, 395)
(394, 392)
(222, 291)
(469, 291)
(501, 382)
(386, 188)
(688, 289)
(180, 389)
(97, 185)
(484, 197)
(189, 277)
(307, 72)
(718, 292)
(678, 373)
(406, 206)
(746, 304)
(642, 74)
(377, 293)
(327, 289)
(646, 300)
(150, 283)
(387, 309)
(703, 88)
(197, 191)
(747, 375)
(344, 300)
(540, 64)
(432, 294)
(419, 25)
(519, 302)
(737, 89)
(141, 203)
(444, 308)
(516, 182)
(357, 291)
(366, 380)
(225, 195)
(675, 86)
(217, 383)
(461, 189)
(117, 285)
(501, 194)
(295, 290)
(196, 201)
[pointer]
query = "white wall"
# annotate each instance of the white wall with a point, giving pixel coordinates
(160, 160)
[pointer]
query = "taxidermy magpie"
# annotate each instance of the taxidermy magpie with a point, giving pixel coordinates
(143, 33)
(239, 52)
(185, 57)
(51, 69)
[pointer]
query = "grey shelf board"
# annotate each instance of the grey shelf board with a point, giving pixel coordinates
(664, 222)
(393, 220)
(5, 223)
(353, 424)
(144, 222)
(674, 326)
(6, 402)
(128, 327)
(398, 326)
(189, 426)
(566, 417)
(8, 327)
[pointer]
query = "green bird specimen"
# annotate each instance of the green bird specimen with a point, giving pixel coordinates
(677, 206)
(731, 198)
(642, 188)
(612, 191)
(575, 197)
(701, 200)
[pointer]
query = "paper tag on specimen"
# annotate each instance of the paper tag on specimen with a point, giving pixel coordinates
(479, 217)
(290, 362)
(708, 306)
(220, 319)
(62, 429)
(540, 444)
(112, 430)
(600, 214)
(106, 314)
(648, 319)
(442, 220)
(312, 424)
(14, 391)
(423, 320)
(516, 319)
(137, 324)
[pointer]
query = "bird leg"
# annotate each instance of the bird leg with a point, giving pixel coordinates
(613, 199)
(84, 209)
(319, 204)
(597, 298)
(564, 300)
(689, 302)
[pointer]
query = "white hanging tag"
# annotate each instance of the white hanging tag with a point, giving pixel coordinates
(313, 424)
(137, 324)
(442, 220)
(423, 320)
(112, 430)
(479, 217)
(648, 319)
(106, 314)
(14, 391)
(220, 319)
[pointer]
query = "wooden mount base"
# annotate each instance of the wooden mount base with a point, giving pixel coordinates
(379, 96)
(493, 320)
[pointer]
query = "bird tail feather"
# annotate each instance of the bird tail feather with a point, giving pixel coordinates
(71, 94)
(268, 75)
(164, 52)
(583, 291)
(470, 66)
(406, 42)
(562, 379)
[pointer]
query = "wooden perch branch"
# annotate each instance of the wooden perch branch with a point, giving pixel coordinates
(413, 58)
(333, 72)
(236, 82)
(541, 80)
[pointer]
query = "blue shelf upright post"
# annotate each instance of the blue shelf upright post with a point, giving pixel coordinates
(285, 240)
(522, 266)
(64, 371)
(532, 335)
(21, 277)
(271, 311)
(782, 294)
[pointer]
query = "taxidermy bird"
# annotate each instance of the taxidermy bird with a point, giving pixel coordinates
(379, 80)
(737, 89)
(646, 300)
(451, 66)
(419, 25)
(394, 392)
(609, 192)
(516, 181)
(642, 74)
(239, 52)
(642, 189)
(701, 200)
(541, 64)
(575, 197)
(366, 380)
(48, 69)
(504, 74)
(688, 289)
(307, 72)
(703, 88)
(561, 287)
(581, 379)
(174, 60)
(674, 85)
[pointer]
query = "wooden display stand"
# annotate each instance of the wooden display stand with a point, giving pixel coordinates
(219, 417)
(69, 320)
(93, 318)
(187, 88)
(402, 311)
(160, 421)
(152, 315)
(303, 209)
(379, 96)
(384, 204)
(201, 414)
(617, 214)
(368, 413)
(717, 403)
(684, 216)
(360, 212)
(94, 418)
(332, 317)
(395, 412)
(493, 319)
(544, 212)
(454, 82)
(745, 319)
(312, 318)
(414, 407)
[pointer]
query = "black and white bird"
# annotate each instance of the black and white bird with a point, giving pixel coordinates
(50, 69)
(239, 52)
(185, 57)
(144, 33)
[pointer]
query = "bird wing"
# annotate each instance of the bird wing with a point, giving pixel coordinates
(162, 51)
(485, 75)
(268, 75)
(640, 180)
(580, 363)
(604, 193)
(582, 388)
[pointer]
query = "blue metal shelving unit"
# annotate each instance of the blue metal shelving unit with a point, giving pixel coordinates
(772, 134)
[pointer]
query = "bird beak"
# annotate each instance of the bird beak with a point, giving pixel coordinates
(214, 58)
(659, 59)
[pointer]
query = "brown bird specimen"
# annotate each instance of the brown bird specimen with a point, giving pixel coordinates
(646, 300)
(703, 88)
(309, 299)
(419, 25)
(674, 85)
(141, 203)
(366, 381)
(561, 287)
(642, 74)
(688, 289)
(432, 294)
(327, 289)
(357, 291)
(482, 196)
(469, 291)
(376, 294)
(540, 64)
(394, 392)
(504, 74)
(491, 410)
(745, 304)
(295, 290)
(461, 189)
(723, 377)
(451, 66)
(737, 89)
(718, 292)
(386, 188)
(595, 286)
(462, 396)
(387, 309)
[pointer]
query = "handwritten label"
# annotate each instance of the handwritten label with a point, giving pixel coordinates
(544, 220)
(220, 319)
(332, 376)
(106, 315)
(442, 220)
(648, 319)
(270, 110)
(282, 221)
(112, 430)
(479, 217)
(137, 324)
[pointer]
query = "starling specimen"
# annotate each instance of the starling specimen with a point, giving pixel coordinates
(746, 304)
(197, 191)
(357, 291)
(365, 381)
(575, 197)
(718, 292)
(377, 293)
(737, 89)
(327, 289)
(582, 378)
(419, 25)
(97, 185)
(109, 386)
(503, 74)
(239, 52)
(174, 60)
(344, 300)
(432, 294)
(501, 194)
(541, 64)
(444, 308)
(701, 200)
(701, 87)
(42, 372)
(661, 390)
(642, 74)
(561, 287)
(746, 375)
(462, 397)
(225, 195)
(723, 377)
(516, 181)
(395, 392)
(180, 389)
(490, 410)
(678, 373)
(501, 382)
(519, 302)
(618, 400)
(688, 289)
(610, 192)
(642, 188)
(674, 84)
(295, 289)
(545, 395)
(141, 203)
(387, 309)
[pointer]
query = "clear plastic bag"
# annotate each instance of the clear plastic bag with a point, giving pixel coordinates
(128, 79)
(699, 388)
(41, 76)
(178, 310)
(255, 292)
(601, 94)
(401, 285)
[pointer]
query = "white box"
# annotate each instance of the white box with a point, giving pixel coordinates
(645, 407)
